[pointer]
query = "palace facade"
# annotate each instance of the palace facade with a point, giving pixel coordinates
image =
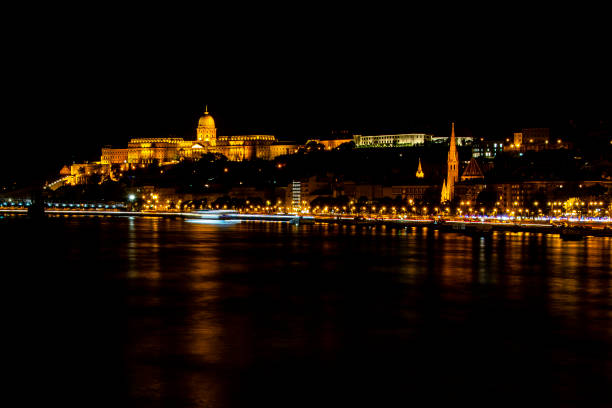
(171, 149)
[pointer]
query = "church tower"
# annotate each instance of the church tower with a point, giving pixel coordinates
(207, 132)
(453, 165)
(448, 189)
(419, 172)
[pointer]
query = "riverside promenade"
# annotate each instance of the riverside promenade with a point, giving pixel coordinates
(468, 225)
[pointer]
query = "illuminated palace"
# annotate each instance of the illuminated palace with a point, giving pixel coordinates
(173, 149)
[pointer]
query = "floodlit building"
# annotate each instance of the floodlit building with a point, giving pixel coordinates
(398, 140)
(532, 136)
(535, 139)
(460, 140)
(170, 149)
(330, 144)
(280, 149)
(82, 173)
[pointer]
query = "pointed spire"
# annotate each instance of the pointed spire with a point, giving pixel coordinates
(444, 194)
(206, 110)
(453, 166)
(453, 142)
(453, 154)
(419, 172)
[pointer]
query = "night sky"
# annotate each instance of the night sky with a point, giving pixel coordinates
(75, 85)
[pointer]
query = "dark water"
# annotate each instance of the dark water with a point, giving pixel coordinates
(149, 312)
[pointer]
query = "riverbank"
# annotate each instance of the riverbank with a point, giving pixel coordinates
(467, 226)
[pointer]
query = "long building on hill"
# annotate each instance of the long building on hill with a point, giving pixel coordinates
(396, 140)
(171, 149)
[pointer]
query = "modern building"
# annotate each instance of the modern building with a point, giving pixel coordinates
(301, 192)
(487, 148)
(296, 195)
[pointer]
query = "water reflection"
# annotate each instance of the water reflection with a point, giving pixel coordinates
(270, 313)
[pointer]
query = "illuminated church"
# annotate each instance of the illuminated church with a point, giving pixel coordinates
(170, 149)
(448, 187)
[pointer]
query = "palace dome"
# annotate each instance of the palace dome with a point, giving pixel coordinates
(206, 120)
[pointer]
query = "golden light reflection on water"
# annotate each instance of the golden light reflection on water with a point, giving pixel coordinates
(143, 249)
(193, 276)
(181, 314)
(216, 267)
(579, 275)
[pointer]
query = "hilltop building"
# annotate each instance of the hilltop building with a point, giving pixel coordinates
(165, 150)
(461, 140)
(535, 139)
(532, 136)
(398, 140)
(330, 144)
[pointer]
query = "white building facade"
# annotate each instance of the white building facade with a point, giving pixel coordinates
(398, 140)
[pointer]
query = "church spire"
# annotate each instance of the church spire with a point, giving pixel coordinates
(445, 197)
(419, 172)
(453, 142)
(453, 166)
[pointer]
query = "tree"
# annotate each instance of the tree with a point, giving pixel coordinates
(346, 147)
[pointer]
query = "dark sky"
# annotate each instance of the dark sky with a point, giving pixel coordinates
(76, 84)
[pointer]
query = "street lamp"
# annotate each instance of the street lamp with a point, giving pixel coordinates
(131, 199)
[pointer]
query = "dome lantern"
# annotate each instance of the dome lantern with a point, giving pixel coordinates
(206, 120)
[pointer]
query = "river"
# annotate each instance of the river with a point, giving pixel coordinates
(157, 312)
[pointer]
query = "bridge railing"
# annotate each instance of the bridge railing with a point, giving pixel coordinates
(10, 203)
